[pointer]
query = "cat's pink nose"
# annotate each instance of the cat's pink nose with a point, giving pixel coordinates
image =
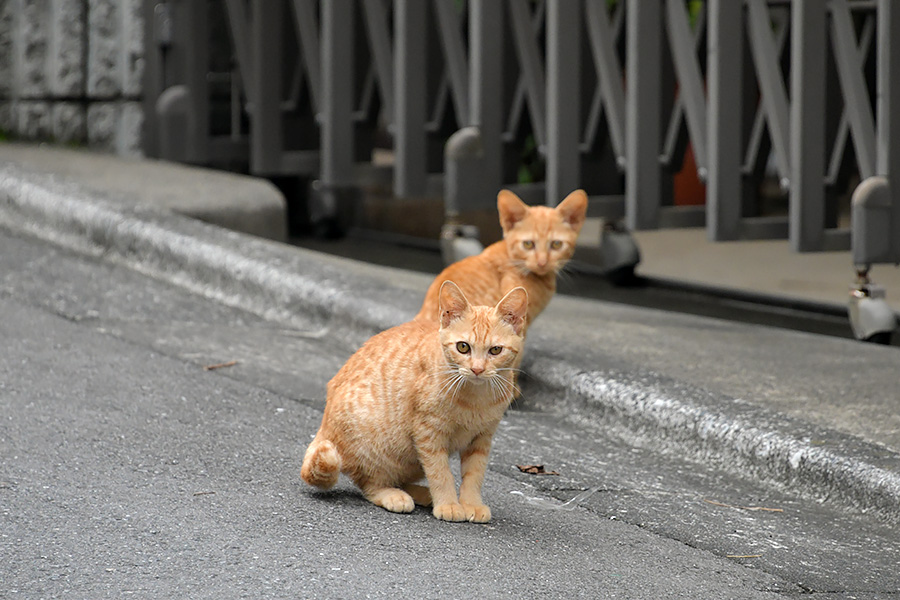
(478, 370)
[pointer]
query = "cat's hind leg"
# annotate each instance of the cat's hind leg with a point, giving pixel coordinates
(421, 495)
(321, 464)
(389, 498)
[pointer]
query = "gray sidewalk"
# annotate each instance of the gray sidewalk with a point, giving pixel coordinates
(761, 267)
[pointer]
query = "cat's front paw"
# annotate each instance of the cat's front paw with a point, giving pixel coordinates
(450, 512)
(393, 500)
(477, 513)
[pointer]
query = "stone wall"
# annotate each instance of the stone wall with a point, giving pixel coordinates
(70, 72)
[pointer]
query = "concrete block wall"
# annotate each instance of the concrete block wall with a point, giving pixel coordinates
(71, 71)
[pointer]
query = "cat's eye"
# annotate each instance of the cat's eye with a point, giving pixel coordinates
(528, 244)
(495, 350)
(462, 347)
(556, 244)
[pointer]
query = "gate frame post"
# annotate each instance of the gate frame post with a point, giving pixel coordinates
(807, 131)
(643, 119)
(725, 117)
(888, 96)
(564, 23)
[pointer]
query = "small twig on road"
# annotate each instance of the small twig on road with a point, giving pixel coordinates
(755, 508)
(535, 470)
(203, 493)
(230, 363)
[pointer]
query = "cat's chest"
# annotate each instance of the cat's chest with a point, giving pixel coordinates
(461, 438)
(540, 288)
(472, 420)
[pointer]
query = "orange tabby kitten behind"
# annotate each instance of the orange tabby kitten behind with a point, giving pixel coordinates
(414, 395)
(537, 243)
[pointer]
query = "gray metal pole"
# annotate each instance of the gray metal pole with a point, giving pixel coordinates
(643, 123)
(888, 91)
(266, 137)
(238, 23)
(198, 71)
(854, 87)
(807, 141)
(337, 91)
(532, 66)
(563, 98)
(876, 201)
(336, 147)
(157, 35)
(409, 93)
(486, 30)
(690, 79)
(609, 72)
(454, 55)
(725, 63)
(306, 26)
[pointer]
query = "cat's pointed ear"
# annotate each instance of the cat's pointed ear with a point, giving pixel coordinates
(452, 301)
(513, 309)
(511, 209)
(573, 209)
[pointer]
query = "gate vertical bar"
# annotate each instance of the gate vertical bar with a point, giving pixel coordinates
(725, 65)
(609, 73)
(531, 63)
(266, 140)
(691, 94)
(153, 78)
(564, 19)
(307, 29)
(643, 119)
(454, 55)
(854, 87)
(807, 120)
(409, 94)
(337, 95)
(888, 92)
(378, 29)
(486, 29)
(198, 70)
(238, 23)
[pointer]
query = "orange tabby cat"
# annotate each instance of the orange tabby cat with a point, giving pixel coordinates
(537, 243)
(414, 395)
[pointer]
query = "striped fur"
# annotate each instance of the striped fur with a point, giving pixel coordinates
(524, 257)
(416, 394)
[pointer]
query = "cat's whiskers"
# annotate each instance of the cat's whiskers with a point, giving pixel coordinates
(520, 266)
(502, 388)
(562, 269)
(452, 384)
(508, 369)
(492, 383)
(463, 380)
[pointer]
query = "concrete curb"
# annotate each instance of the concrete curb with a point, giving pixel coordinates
(236, 202)
(738, 436)
(307, 289)
(274, 280)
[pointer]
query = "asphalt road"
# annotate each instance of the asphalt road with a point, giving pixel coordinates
(130, 470)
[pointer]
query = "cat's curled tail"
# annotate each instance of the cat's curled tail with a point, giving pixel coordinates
(322, 464)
